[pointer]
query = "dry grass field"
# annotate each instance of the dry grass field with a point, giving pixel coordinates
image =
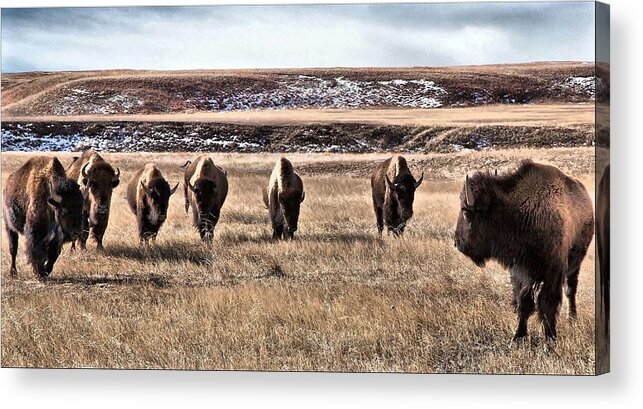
(564, 115)
(335, 299)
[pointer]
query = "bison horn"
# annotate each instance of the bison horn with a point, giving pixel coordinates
(303, 196)
(389, 183)
(116, 175)
(83, 171)
(191, 187)
(174, 188)
(419, 182)
(468, 194)
(54, 196)
(185, 164)
(147, 189)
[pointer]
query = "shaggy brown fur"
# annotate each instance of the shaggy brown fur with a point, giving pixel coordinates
(100, 179)
(148, 196)
(205, 189)
(603, 247)
(283, 196)
(44, 205)
(538, 223)
(393, 188)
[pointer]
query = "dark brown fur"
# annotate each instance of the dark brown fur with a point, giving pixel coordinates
(101, 180)
(538, 223)
(393, 202)
(44, 205)
(205, 189)
(283, 196)
(148, 196)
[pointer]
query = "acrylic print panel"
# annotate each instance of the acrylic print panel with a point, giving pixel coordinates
(372, 188)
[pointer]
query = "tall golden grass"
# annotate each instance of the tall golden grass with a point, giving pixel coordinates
(335, 299)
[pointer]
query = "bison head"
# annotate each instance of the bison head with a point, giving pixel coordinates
(291, 203)
(66, 200)
(205, 195)
(99, 180)
(157, 196)
(475, 229)
(403, 190)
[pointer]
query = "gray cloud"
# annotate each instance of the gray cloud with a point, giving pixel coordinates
(295, 36)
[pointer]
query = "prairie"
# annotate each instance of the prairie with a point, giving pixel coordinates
(338, 298)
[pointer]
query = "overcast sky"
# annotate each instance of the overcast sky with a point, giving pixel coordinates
(295, 36)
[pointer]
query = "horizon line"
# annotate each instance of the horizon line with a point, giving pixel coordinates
(310, 68)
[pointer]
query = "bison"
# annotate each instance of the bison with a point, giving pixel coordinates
(44, 205)
(205, 189)
(99, 178)
(538, 223)
(283, 196)
(148, 196)
(393, 188)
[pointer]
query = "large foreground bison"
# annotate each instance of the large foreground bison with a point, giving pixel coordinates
(98, 177)
(205, 189)
(538, 223)
(44, 205)
(283, 196)
(393, 188)
(148, 196)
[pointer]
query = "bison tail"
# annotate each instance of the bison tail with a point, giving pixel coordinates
(185, 164)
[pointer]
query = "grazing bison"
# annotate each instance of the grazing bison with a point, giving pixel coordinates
(205, 189)
(603, 247)
(148, 196)
(538, 223)
(283, 197)
(99, 178)
(44, 205)
(393, 188)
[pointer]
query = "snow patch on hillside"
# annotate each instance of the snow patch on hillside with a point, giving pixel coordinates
(313, 92)
(585, 86)
(81, 101)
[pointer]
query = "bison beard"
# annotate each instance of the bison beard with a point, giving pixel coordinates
(538, 223)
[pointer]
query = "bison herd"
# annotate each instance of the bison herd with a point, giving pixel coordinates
(535, 221)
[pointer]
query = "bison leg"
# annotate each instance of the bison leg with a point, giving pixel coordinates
(185, 198)
(277, 231)
(574, 260)
(96, 233)
(523, 300)
(379, 219)
(525, 307)
(35, 235)
(572, 285)
(549, 300)
(13, 250)
(82, 239)
(278, 222)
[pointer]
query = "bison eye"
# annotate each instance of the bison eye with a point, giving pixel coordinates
(63, 211)
(468, 214)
